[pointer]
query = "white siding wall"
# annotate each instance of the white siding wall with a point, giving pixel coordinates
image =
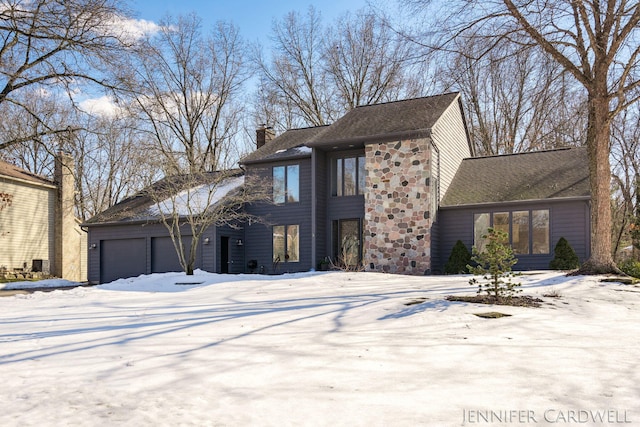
(27, 225)
(450, 137)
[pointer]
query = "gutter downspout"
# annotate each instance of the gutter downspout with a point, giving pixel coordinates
(314, 206)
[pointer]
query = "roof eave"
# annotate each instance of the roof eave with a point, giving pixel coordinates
(43, 183)
(372, 139)
(276, 159)
(516, 202)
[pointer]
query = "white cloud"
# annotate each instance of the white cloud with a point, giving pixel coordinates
(104, 106)
(138, 28)
(131, 29)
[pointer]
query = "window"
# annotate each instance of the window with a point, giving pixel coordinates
(520, 232)
(348, 176)
(286, 184)
(286, 243)
(347, 241)
(501, 222)
(528, 230)
(540, 226)
(480, 226)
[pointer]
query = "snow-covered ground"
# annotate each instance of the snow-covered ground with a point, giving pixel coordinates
(319, 349)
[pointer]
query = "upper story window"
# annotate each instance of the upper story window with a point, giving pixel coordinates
(348, 176)
(286, 184)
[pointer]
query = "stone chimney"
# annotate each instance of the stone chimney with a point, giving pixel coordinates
(264, 135)
(68, 241)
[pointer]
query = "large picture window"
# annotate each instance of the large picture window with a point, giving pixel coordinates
(528, 230)
(286, 184)
(286, 243)
(348, 176)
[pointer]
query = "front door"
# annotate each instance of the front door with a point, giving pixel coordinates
(347, 241)
(224, 254)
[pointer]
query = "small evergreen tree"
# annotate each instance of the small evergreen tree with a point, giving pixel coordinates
(458, 260)
(565, 257)
(494, 265)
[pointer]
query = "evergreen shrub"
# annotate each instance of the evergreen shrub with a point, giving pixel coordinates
(494, 264)
(631, 267)
(458, 260)
(565, 257)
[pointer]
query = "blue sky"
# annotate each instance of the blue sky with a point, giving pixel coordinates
(253, 17)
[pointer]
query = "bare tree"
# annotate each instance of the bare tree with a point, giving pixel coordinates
(625, 157)
(36, 154)
(187, 205)
(295, 73)
(365, 60)
(109, 159)
(52, 46)
(317, 72)
(186, 89)
(516, 99)
(186, 93)
(597, 44)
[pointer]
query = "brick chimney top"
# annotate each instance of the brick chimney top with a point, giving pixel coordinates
(264, 135)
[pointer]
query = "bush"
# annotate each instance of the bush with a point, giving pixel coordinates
(631, 267)
(494, 265)
(565, 257)
(458, 260)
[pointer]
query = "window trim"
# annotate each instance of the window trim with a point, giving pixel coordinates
(337, 179)
(531, 243)
(285, 237)
(336, 230)
(286, 184)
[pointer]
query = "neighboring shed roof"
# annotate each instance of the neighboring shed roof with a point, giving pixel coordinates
(143, 207)
(388, 120)
(11, 171)
(283, 146)
(518, 177)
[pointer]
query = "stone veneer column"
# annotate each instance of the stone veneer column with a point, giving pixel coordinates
(397, 219)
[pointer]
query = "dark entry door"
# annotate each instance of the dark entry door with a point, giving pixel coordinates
(347, 241)
(224, 254)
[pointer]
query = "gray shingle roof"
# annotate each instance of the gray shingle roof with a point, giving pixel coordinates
(388, 120)
(281, 147)
(138, 207)
(518, 177)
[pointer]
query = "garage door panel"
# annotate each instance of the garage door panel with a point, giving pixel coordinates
(120, 258)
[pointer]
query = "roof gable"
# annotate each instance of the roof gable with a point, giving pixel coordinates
(10, 171)
(518, 177)
(387, 120)
(284, 145)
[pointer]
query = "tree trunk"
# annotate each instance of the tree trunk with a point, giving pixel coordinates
(598, 140)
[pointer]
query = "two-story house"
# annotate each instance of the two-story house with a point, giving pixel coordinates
(364, 190)
(390, 188)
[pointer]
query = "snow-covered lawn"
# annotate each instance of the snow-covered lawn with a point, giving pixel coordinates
(319, 349)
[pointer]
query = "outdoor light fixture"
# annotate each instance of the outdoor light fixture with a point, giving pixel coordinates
(239, 242)
(206, 240)
(93, 246)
